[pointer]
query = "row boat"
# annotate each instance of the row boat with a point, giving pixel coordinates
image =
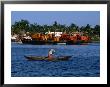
(40, 58)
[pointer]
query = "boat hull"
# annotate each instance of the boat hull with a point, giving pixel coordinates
(38, 58)
(36, 42)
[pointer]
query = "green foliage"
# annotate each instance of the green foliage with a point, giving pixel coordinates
(24, 26)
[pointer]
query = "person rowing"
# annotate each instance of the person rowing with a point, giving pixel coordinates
(50, 54)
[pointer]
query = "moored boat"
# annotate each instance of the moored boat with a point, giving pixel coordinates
(41, 58)
(43, 39)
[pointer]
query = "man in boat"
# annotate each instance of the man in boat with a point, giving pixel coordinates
(50, 54)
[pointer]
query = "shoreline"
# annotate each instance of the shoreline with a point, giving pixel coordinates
(60, 43)
(95, 42)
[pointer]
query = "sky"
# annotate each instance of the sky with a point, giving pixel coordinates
(80, 18)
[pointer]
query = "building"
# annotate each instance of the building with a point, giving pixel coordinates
(57, 34)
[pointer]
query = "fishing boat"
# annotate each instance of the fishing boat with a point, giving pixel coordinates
(41, 58)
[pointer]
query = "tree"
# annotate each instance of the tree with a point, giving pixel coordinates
(87, 29)
(55, 26)
(97, 30)
(72, 28)
(33, 28)
(19, 26)
(88, 26)
(55, 23)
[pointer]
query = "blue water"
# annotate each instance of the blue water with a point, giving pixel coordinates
(85, 61)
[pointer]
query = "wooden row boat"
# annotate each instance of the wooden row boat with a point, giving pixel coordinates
(40, 58)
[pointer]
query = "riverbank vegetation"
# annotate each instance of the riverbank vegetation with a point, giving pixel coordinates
(23, 26)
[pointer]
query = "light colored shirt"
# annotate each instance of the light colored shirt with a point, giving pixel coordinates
(51, 51)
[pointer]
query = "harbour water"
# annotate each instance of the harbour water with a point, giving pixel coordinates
(85, 61)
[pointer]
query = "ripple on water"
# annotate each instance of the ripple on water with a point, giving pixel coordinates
(85, 61)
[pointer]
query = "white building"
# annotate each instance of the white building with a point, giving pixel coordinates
(57, 34)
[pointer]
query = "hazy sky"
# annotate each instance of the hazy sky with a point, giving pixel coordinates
(80, 18)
